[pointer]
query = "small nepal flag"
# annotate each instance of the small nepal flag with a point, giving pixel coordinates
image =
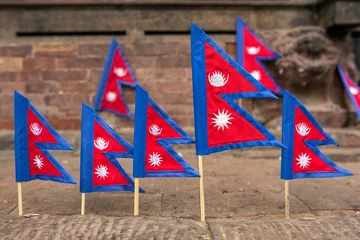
(301, 134)
(116, 73)
(33, 137)
(154, 132)
(250, 51)
(352, 89)
(100, 146)
(220, 124)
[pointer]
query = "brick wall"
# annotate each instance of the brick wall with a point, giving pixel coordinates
(57, 78)
(59, 73)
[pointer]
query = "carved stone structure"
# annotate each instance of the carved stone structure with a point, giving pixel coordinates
(53, 52)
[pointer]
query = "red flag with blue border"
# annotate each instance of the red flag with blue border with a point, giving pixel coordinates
(220, 124)
(100, 146)
(352, 89)
(302, 134)
(116, 74)
(251, 51)
(34, 136)
(154, 132)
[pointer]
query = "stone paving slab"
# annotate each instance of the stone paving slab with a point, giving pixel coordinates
(339, 226)
(100, 227)
(344, 225)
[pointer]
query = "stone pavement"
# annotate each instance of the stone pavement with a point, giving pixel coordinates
(244, 200)
(339, 225)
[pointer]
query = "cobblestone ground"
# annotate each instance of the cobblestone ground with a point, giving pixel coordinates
(340, 225)
(244, 199)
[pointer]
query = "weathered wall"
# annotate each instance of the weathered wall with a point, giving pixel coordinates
(58, 73)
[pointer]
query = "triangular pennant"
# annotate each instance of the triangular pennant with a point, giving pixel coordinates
(154, 132)
(33, 137)
(301, 135)
(116, 72)
(250, 51)
(100, 146)
(351, 88)
(220, 124)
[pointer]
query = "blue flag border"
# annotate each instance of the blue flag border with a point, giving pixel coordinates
(142, 101)
(22, 161)
(87, 154)
(342, 76)
(287, 155)
(104, 77)
(198, 38)
(240, 24)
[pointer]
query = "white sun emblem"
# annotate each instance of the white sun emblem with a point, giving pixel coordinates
(222, 119)
(101, 143)
(38, 161)
(155, 159)
(110, 96)
(256, 74)
(155, 130)
(353, 90)
(303, 160)
(217, 79)
(101, 171)
(253, 50)
(35, 129)
(302, 129)
(120, 72)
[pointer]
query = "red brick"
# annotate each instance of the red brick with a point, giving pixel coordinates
(9, 76)
(231, 49)
(64, 75)
(95, 75)
(16, 51)
(11, 63)
(181, 97)
(41, 87)
(7, 88)
(39, 63)
(76, 86)
(162, 74)
(65, 123)
(183, 49)
(30, 76)
(6, 124)
(6, 99)
(144, 62)
(66, 100)
(149, 49)
(174, 61)
(55, 50)
(100, 50)
(87, 62)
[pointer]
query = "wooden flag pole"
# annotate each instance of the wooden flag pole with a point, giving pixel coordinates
(82, 203)
(287, 202)
(136, 197)
(201, 183)
(20, 202)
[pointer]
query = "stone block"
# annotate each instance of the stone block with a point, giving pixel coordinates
(39, 63)
(47, 50)
(64, 75)
(99, 50)
(11, 63)
(80, 62)
(15, 50)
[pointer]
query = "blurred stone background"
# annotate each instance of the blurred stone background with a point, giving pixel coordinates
(53, 52)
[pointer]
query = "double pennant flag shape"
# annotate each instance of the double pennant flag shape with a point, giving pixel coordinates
(250, 52)
(116, 74)
(220, 124)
